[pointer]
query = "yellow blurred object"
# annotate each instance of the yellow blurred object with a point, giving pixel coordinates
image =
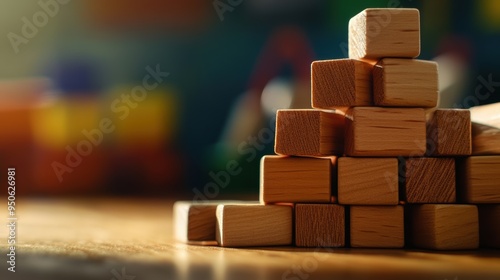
(490, 13)
(151, 122)
(60, 122)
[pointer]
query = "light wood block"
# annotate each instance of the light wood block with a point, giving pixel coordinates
(486, 129)
(377, 131)
(308, 132)
(429, 180)
(445, 226)
(195, 221)
(401, 82)
(485, 139)
(449, 133)
(378, 33)
(319, 225)
(377, 226)
(254, 225)
(341, 83)
(368, 181)
(479, 179)
(489, 225)
(296, 179)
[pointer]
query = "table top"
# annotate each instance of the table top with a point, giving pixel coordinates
(108, 238)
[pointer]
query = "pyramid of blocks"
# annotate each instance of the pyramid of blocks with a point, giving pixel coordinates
(372, 164)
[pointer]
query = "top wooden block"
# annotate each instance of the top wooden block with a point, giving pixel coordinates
(399, 82)
(378, 33)
(340, 83)
(307, 132)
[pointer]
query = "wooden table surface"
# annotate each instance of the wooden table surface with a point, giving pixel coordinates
(132, 239)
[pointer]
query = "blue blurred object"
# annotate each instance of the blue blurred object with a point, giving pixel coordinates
(76, 76)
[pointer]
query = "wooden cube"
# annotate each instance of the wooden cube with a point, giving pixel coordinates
(401, 82)
(489, 226)
(195, 221)
(368, 181)
(445, 226)
(319, 225)
(341, 83)
(377, 131)
(479, 179)
(429, 180)
(377, 226)
(485, 139)
(449, 133)
(308, 132)
(254, 225)
(296, 179)
(378, 33)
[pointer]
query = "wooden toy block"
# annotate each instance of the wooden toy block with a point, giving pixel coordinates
(378, 33)
(444, 226)
(429, 180)
(405, 83)
(308, 132)
(296, 179)
(485, 129)
(479, 179)
(341, 83)
(449, 133)
(377, 226)
(485, 139)
(253, 225)
(489, 226)
(368, 181)
(377, 131)
(319, 225)
(195, 221)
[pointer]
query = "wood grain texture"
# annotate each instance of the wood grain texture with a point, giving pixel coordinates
(385, 132)
(296, 179)
(341, 83)
(368, 181)
(254, 225)
(489, 225)
(479, 179)
(308, 132)
(429, 180)
(319, 225)
(401, 82)
(378, 33)
(486, 114)
(449, 133)
(195, 220)
(444, 226)
(485, 139)
(377, 226)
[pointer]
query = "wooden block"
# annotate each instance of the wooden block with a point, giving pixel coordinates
(308, 132)
(485, 139)
(341, 83)
(486, 114)
(489, 226)
(378, 33)
(429, 180)
(195, 221)
(449, 133)
(444, 226)
(377, 226)
(376, 131)
(368, 181)
(479, 179)
(296, 179)
(254, 225)
(319, 225)
(401, 82)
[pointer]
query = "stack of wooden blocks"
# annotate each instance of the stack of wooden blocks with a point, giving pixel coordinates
(373, 165)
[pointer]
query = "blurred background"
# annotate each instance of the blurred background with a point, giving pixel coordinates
(169, 98)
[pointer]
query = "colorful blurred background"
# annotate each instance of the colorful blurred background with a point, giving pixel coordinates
(168, 98)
